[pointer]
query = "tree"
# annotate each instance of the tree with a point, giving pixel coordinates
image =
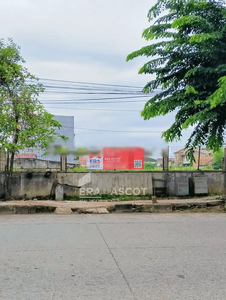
(24, 123)
(189, 61)
(217, 159)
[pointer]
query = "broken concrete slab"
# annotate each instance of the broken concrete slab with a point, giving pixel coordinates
(147, 208)
(102, 210)
(87, 211)
(161, 208)
(63, 211)
(124, 207)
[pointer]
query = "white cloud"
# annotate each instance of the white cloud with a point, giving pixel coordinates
(99, 26)
(87, 41)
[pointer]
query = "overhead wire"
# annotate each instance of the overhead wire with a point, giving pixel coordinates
(90, 83)
(122, 92)
(97, 99)
(110, 130)
(54, 86)
(93, 88)
(101, 109)
(92, 93)
(113, 130)
(93, 102)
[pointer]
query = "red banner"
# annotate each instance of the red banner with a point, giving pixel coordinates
(123, 158)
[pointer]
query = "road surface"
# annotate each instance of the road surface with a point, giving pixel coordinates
(118, 257)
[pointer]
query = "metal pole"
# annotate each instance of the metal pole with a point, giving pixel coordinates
(199, 158)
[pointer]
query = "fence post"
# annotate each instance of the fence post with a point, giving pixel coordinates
(166, 160)
(224, 164)
(63, 162)
(224, 169)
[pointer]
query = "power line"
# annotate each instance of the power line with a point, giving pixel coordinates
(90, 83)
(93, 102)
(89, 93)
(93, 93)
(92, 99)
(97, 99)
(91, 88)
(101, 109)
(122, 131)
(109, 130)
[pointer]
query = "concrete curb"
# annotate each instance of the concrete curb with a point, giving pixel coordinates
(117, 208)
(163, 208)
(17, 209)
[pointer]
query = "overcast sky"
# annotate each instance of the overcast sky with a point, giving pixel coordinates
(88, 41)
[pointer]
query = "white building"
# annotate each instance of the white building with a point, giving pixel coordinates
(67, 130)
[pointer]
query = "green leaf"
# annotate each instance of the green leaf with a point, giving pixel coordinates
(187, 62)
(191, 90)
(24, 122)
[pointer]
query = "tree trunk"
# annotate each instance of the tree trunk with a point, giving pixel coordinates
(11, 174)
(6, 182)
(8, 177)
(10, 163)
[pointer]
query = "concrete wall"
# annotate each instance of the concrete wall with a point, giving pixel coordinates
(216, 180)
(38, 164)
(31, 185)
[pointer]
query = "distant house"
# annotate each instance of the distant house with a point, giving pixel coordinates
(206, 157)
(83, 160)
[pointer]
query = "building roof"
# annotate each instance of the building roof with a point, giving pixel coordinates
(179, 151)
(202, 150)
(26, 155)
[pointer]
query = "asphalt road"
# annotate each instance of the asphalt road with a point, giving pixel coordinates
(120, 257)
